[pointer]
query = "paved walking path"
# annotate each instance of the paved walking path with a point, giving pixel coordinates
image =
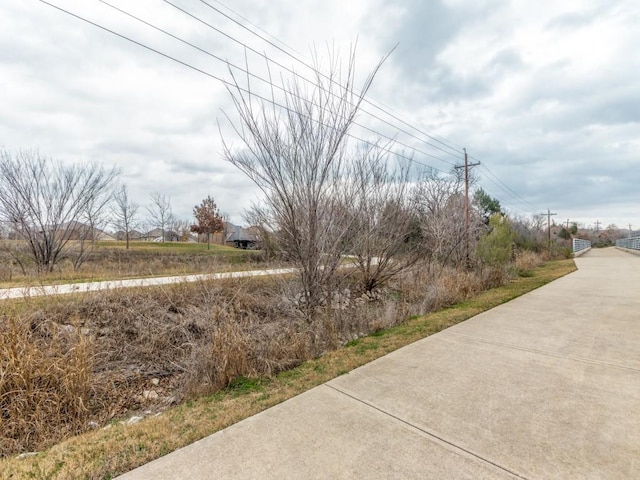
(43, 290)
(546, 386)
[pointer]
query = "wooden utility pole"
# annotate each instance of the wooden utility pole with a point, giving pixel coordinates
(549, 214)
(467, 204)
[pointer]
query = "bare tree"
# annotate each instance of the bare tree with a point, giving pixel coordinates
(180, 227)
(383, 218)
(125, 213)
(226, 222)
(87, 231)
(441, 210)
(258, 217)
(50, 206)
(160, 214)
(297, 154)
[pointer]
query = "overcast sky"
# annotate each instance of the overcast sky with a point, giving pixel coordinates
(545, 94)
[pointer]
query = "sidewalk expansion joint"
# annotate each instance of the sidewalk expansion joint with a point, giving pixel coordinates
(586, 360)
(430, 434)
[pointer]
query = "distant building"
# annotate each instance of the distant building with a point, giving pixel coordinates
(81, 231)
(133, 235)
(157, 235)
(246, 238)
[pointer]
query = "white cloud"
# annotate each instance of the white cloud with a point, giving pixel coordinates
(545, 94)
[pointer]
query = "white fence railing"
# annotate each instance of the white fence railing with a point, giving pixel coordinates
(632, 243)
(580, 246)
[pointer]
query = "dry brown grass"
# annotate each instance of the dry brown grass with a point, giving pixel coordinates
(110, 260)
(46, 381)
(527, 260)
(116, 353)
(135, 350)
(83, 361)
(119, 447)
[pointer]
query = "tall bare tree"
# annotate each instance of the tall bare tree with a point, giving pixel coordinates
(181, 227)
(441, 210)
(52, 207)
(295, 149)
(125, 212)
(160, 214)
(383, 217)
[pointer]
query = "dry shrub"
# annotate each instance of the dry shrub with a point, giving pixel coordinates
(526, 260)
(452, 286)
(493, 277)
(228, 356)
(430, 286)
(243, 350)
(45, 384)
(135, 350)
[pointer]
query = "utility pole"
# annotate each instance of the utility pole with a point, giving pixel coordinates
(467, 205)
(567, 224)
(549, 214)
(597, 226)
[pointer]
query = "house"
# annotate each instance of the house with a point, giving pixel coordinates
(75, 230)
(133, 235)
(246, 238)
(157, 235)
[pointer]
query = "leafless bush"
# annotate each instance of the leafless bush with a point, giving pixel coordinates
(98, 356)
(429, 285)
(440, 205)
(55, 210)
(295, 148)
(527, 260)
(382, 218)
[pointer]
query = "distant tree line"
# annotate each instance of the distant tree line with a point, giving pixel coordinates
(50, 211)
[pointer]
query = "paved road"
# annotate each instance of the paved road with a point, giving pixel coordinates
(38, 291)
(546, 386)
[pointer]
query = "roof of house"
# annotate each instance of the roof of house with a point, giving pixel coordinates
(239, 234)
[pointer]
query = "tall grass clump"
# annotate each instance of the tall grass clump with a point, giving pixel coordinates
(45, 383)
(525, 261)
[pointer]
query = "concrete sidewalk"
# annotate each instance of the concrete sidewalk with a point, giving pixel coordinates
(85, 287)
(546, 386)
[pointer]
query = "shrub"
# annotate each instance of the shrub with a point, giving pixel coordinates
(46, 380)
(72, 362)
(496, 247)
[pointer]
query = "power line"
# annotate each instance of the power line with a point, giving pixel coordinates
(304, 63)
(240, 69)
(244, 70)
(500, 184)
(254, 25)
(235, 85)
(317, 71)
(491, 177)
(506, 187)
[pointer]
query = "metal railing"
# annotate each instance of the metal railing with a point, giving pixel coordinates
(632, 243)
(580, 245)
